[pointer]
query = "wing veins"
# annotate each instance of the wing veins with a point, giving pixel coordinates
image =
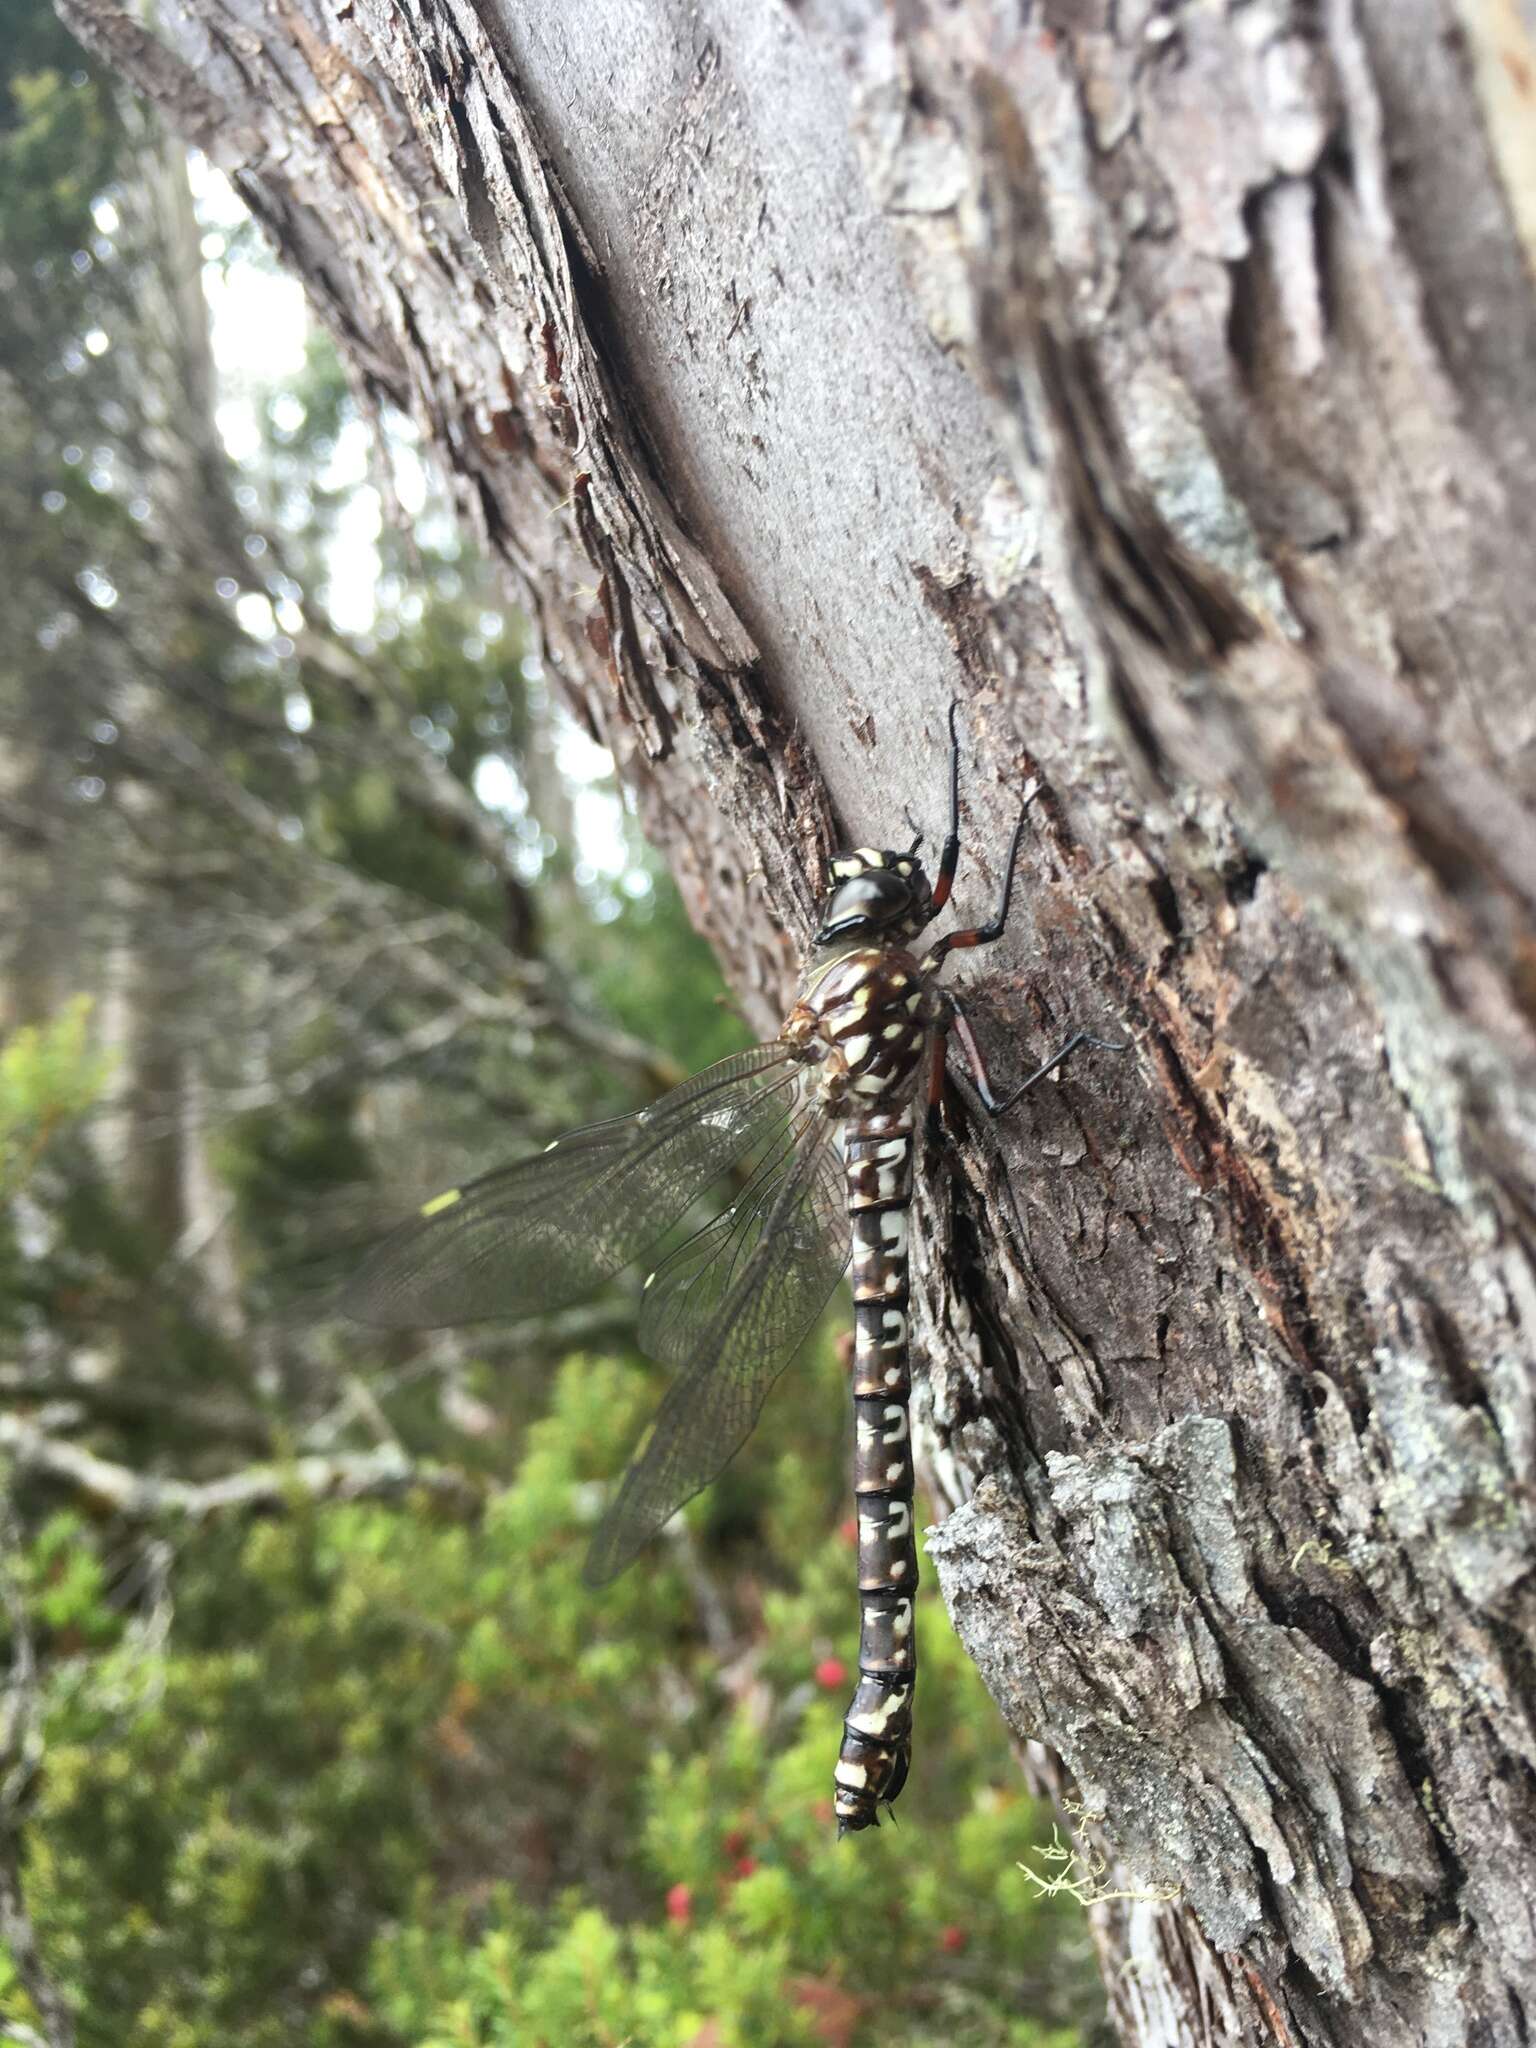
(691, 1268)
(716, 1399)
(432, 1270)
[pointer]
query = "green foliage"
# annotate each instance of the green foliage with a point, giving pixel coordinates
(278, 1824)
(368, 1776)
(49, 1075)
(58, 132)
(71, 1590)
(652, 972)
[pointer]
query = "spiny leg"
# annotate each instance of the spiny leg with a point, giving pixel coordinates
(936, 1056)
(981, 934)
(960, 1024)
(949, 859)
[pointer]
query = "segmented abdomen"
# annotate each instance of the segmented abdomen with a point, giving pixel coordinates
(877, 1730)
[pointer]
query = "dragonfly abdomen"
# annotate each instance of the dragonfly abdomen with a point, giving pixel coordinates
(877, 1729)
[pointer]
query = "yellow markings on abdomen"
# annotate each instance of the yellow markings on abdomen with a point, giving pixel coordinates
(878, 1719)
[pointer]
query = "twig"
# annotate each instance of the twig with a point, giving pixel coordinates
(365, 1475)
(124, 1398)
(1079, 1875)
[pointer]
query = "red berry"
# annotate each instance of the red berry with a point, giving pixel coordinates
(830, 1673)
(953, 1939)
(680, 1904)
(849, 1530)
(735, 1843)
(744, 1866)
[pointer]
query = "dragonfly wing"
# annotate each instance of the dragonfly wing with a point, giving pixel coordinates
(732, 1307)
(686, 1290)
(547, 1230)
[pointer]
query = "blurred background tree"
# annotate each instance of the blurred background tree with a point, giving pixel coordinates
(310, 899)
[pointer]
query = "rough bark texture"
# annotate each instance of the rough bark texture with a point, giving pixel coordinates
(1160, 380)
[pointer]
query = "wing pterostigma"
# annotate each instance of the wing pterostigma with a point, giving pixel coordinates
(548, 1230)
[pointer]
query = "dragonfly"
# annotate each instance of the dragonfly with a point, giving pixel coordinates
(811, 1135)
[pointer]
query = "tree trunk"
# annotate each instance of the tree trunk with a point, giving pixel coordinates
(1159, 382)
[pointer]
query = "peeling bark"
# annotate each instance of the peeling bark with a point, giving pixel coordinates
(1160, 380)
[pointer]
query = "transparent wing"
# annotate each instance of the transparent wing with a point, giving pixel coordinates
(545, 1231)
(732, 1307)
(687, 1290)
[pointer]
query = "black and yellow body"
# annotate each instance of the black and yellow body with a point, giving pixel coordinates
(865, 1019)
(819, 1122)
(872, 1019)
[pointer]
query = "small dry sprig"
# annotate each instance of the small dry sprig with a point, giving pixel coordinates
(1080, 1875)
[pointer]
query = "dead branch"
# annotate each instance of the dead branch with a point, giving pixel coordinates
(382, 1474)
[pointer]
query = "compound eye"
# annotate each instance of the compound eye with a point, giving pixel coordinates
(873, 897)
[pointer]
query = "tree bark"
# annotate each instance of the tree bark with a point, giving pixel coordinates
(1159, 382)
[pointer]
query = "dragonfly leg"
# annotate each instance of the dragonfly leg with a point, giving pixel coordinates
(936, 1053)
(949, 859)
(959, 1023)
(981, 934)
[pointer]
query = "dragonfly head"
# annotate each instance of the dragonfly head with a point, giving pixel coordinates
(875, 894)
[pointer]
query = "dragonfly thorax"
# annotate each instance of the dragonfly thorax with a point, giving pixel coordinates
(863, 1017)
